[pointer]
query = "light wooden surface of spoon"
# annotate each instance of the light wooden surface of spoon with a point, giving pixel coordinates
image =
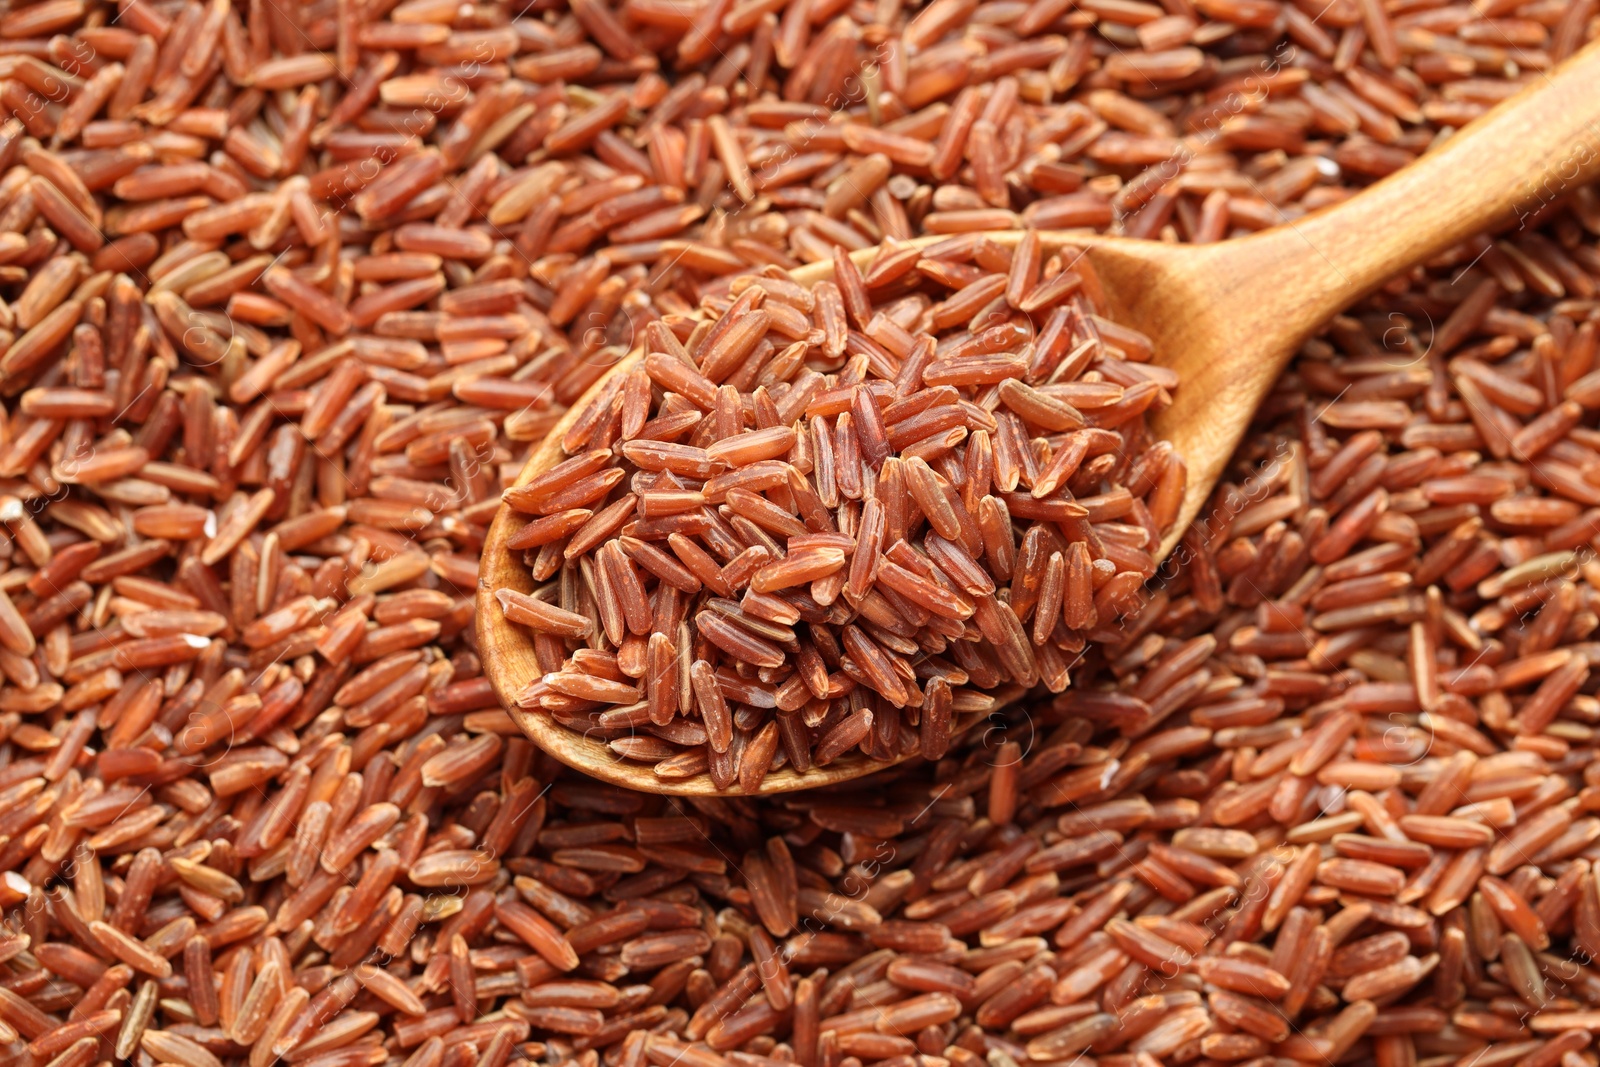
(1227, 317)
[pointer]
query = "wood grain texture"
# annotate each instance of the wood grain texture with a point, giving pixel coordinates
(1227, 317)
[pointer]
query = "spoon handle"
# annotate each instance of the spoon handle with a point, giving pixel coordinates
(1505, 167)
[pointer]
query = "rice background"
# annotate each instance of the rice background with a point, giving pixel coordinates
(291, 289)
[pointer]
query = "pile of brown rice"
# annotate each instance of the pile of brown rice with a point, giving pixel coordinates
(290, 289)
(817, 534)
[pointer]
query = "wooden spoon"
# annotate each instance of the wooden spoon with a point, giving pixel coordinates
(1227, 317)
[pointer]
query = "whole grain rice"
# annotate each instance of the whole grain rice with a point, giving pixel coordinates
(290, 290)
(818, 532)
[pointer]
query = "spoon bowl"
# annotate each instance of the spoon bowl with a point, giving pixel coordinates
(511, 664)
(1225, 317)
